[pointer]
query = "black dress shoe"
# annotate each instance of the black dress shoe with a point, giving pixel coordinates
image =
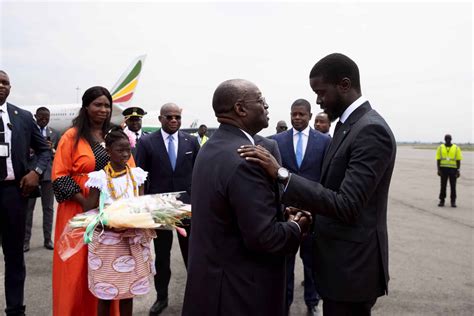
(26, 247)
(441, 203)
(158, 307)
(48, 244)
(453, 204)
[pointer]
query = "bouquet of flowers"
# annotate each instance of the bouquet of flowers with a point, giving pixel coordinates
(159, 211)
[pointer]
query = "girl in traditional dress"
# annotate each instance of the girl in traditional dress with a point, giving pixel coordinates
(120, 264)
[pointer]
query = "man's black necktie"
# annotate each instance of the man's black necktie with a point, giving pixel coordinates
(338, 125)
(3, 160)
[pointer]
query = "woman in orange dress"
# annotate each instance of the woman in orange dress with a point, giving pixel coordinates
(79, 152)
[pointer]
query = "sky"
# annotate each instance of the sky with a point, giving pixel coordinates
(415, 59)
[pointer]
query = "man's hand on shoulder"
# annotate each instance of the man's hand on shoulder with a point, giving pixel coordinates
(261, 156)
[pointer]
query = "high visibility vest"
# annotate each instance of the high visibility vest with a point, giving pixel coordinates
(448, 156)
(203, 140)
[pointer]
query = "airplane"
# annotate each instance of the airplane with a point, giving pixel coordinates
(61, 115)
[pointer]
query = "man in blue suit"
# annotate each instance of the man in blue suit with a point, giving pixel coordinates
(18, 133)
(302, 151)
(168, 155)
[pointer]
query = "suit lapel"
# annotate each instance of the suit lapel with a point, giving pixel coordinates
(182, 141)
(14, 126)
(341, 134)
(309, 147)
(289, 150)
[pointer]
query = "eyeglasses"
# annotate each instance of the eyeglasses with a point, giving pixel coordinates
(283, 127)
(261, 101)
(172, 117)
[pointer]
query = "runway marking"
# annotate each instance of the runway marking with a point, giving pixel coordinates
(431, 213)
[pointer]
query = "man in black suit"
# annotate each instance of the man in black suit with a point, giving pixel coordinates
(168, 155)
(350, 204)
(239, 238)
(302, 150)
(18, 133)
(46, 188)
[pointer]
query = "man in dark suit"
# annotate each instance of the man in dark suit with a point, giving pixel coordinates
(46, 188)
(133, 119)
(351, 246)
(302, 150)
(168, 155)
(239, 238)
(18, 133)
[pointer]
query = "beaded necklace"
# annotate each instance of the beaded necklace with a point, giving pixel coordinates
(111, 173)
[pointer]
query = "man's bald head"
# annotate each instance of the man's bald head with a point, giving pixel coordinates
(228, 93)
(170, 117)
(169, 107)
(240, 103)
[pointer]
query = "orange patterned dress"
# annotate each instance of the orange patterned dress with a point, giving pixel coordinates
(71, 295)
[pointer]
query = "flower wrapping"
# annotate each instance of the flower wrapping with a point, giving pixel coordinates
(132, 138)
(158, 211)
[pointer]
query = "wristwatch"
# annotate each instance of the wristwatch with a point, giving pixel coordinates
(38, 170)
(283, 174)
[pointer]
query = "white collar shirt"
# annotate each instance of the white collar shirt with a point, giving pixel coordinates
(8, 139)
(351, 108)
(43, 131)
(174, 136)
(249, 137)
(304, 138)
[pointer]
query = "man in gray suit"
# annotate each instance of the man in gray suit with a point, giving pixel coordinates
(350, 203)
(46, 188)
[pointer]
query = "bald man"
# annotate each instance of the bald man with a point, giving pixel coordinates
(168, 155)
(281, 126)
(239, 237)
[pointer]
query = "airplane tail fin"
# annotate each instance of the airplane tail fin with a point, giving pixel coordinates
(124, 89)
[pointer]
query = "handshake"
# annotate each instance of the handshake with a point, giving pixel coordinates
(301, 217)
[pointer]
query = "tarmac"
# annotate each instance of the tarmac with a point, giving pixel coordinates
(430, 250)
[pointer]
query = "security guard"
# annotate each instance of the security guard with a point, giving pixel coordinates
(133, 119)
(201, 135)
(448, 157)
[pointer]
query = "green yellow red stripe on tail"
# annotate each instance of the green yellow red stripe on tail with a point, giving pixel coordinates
(124, 89)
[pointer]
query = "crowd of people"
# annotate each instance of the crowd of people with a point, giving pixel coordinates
(255, 200)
